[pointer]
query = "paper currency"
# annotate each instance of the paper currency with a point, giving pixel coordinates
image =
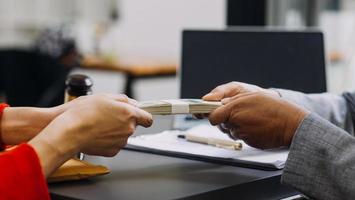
(179, 106)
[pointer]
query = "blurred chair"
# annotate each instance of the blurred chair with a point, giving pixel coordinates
(36, 77)
(29, 78)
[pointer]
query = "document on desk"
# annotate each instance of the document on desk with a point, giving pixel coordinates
(169, 143)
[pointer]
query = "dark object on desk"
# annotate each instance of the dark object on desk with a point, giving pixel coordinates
(28, 78)
(77, 85)
(267, 58)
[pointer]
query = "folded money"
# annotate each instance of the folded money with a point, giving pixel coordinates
(179, 106)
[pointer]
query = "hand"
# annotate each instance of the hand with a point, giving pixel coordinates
(21, 124)
(229, 90)
(234, 88)
(97, 125)
(261, 120)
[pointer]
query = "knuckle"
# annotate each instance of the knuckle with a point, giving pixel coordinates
(219, 88)
(126, 111)
(123, 98)
(96, 98)
(234, 83)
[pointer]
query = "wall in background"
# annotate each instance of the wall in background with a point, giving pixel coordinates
(149, 31)
(21, 19)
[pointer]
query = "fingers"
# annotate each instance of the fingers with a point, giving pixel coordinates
(223, 127)
(143, 118)
(223, 91)
(230, 106)
(200, 116)
(220, 115)
(122, 98)
(214, 96)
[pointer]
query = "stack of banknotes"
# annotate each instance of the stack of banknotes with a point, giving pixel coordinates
(179, 106)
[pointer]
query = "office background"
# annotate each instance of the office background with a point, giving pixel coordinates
(147, 33)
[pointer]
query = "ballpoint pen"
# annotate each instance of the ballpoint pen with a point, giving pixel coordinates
(226, 144)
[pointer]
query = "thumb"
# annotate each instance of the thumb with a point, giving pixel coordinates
(213, 96)
(143, 118)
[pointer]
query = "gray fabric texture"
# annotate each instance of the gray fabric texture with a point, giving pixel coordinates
(321, 162)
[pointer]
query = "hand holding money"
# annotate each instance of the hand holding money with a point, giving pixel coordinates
(179, 106)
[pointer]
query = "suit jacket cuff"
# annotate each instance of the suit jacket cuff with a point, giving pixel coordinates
(313, 148)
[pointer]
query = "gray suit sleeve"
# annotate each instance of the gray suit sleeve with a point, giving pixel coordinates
(321, 162)
(333, 108)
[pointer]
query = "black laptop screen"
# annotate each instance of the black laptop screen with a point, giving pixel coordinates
(281, 59)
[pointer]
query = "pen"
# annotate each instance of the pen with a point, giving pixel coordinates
(231, 145)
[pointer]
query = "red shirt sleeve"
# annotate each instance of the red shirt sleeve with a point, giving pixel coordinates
(2, 107)
(21, 175)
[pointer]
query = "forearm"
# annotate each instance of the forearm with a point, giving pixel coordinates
(53, 147)
(321, 160)
(23, 123)
(331, 107)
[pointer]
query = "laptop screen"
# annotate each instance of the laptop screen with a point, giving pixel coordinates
(279, 59)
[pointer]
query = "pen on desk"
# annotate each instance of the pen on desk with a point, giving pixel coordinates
(231, 145)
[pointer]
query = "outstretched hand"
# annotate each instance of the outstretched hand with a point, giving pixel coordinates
(95, 125)
(262, 121)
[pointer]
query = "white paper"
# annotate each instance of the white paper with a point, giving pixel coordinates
(169, 141)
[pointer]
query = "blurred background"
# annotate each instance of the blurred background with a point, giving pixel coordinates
(133, 46)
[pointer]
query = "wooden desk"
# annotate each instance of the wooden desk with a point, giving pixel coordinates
(132, 73)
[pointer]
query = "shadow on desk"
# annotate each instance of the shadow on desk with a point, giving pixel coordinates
(259, 189)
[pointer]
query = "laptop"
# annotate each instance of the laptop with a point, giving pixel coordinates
(268, 58)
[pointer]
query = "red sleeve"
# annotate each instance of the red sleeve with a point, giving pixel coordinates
(21, 175)
(2, 107)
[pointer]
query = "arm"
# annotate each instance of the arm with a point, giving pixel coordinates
(321, 162)
(333, 108)
(20, 169)
(21, 175)
(23, 123)
(96, 125)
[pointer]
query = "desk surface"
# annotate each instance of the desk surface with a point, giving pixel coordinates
(92, 62)
(137, 175)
